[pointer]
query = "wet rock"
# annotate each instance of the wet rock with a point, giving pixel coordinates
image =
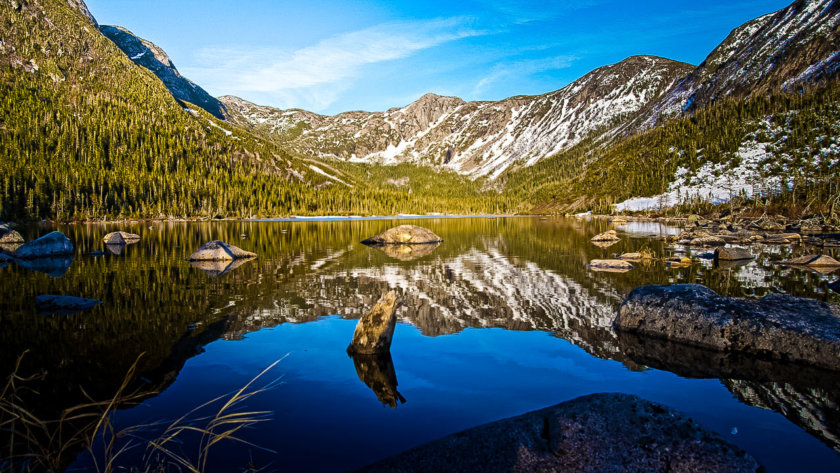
(775, 326)
(121, 238)
(604, 244)
(115, 249)
(731, 265)
(377, 372)
(609, 235)
(51, 244)
(782, 238)
(595, 433)
(815, 261)
(610, 265)
(63, 305)
(635, 256)
(219, 251)
(375, 329)
(732, 254)
(408, 252)
(678, 262)
(404, 235)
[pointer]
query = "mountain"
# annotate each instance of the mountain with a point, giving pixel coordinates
(474, 138)
(796, 47)
(147, 54)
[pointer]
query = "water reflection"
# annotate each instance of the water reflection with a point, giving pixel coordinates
(377, 372)
(215, 269)
(408, 252)
(56, 266)
(515, 274)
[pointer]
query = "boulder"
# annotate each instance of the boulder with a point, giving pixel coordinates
(636, 256)
(9, 236)
(609, 235)
(404, 235)
(815, 261)
(49, 245)
(732, 254)
(375, 329)
(776, 326)
(782, 238)
(604, 244)
(678, 262)
(121, 238)
(219, 251)
(606, 432)
(610, 265)
(64, 305)
(707, 241)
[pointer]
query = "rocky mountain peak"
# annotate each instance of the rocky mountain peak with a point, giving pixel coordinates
(148, 55)
(82, 7)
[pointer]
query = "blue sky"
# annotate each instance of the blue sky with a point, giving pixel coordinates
(330, 56)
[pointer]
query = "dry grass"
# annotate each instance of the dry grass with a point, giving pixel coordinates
(36, 445)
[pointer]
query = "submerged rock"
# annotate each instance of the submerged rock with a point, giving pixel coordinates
(595, 433)
(404, 235)
(51, 244)
(610, 265)
(732, 254)
(776, 326)
(121, 238)
(609, 235)
(63, 305)
(375, 329)
(219, 251)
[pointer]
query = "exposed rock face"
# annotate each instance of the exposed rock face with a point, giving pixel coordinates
(375, 329)
(404, 235)
(607, 236)
(147, 54)
(83, 9)
(775, 326)
(595, 433)
(732, 254)
(121, 238)
(475, 138)
(219, 251)
(51, 244)
(610, 265)
(65, 305)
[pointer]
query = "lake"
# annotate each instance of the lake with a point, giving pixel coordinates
(504, 317)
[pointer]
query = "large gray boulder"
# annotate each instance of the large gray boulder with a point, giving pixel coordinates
(51, 244)
(219, 251)
(375, 329)
(404, 235)
(595, 433)
(776, 326)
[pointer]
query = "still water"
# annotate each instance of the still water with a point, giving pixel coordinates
(502, 318)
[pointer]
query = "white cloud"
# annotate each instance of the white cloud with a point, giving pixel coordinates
(521, 68)
(314, 76)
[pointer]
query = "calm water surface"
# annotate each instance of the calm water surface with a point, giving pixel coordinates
(502, 318)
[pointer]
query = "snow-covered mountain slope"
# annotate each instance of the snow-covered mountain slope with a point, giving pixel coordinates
(782, 51)
(147, 54)
(475, 138)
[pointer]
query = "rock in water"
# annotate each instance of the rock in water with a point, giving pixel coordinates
(376, 328)
(9, 236)
(776, 326)
(64, 305)
(51, 244)
(610, 265)
(408, 252)
(732, 254)
(219, 251)
(377, 372)
(404, 235)
(121, 238)
(596, 433)
(816, 261)
(609, 235)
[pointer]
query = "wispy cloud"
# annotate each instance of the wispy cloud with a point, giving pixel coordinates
(521, 68)
(314, 76)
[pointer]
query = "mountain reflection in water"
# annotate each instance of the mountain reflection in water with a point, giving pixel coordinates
(516, 274)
